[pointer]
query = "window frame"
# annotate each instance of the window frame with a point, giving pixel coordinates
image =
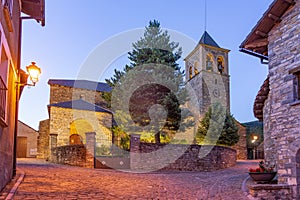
(296, 85)
(3, 88)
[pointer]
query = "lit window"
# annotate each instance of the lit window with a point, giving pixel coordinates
(209, 62)
(191, 72)
(220, 64)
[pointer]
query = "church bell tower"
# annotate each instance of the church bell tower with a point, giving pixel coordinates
(207, 72)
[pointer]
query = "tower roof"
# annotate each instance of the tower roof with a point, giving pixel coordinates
(83, 84)
(207, 39)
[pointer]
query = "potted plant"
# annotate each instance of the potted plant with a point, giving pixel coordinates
(263, 173)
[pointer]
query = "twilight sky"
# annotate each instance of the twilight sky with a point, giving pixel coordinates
(74, 30)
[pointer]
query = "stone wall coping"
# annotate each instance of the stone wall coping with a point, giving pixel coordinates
(184, 145)
(135, 135)
(269, 186)
(90, 133)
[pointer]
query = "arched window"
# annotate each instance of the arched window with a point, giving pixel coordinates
(209, 62)
(191, 72)
(220, 65)
(196, 65)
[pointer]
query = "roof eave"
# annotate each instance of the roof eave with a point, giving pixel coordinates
(257, 39)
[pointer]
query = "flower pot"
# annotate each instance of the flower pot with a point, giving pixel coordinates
(264, 177)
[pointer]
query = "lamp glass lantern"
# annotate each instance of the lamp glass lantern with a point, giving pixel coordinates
(34, 72)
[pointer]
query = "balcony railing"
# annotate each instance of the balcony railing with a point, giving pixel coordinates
(3, 90)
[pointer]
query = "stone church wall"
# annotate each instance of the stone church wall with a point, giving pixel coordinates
(43, 140)
(61, 118)
(60, 93)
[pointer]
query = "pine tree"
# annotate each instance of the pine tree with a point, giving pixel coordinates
(217, 127)
(153, 51)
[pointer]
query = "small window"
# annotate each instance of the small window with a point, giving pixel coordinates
(297, 86)
(209, 62)
(296, 83)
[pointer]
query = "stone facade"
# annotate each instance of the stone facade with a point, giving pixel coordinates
(26, 131)
(281, 110)
(152, 157)
(280, 45)
(59, 93)
(9, 65)
(43, 139)
(73, 112)
(61, 118)
(241, 146)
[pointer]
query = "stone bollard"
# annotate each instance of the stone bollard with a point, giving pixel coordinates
(135, 141)
(90, 149)
(53, 145)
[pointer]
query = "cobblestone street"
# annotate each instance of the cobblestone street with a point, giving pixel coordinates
(51, 181)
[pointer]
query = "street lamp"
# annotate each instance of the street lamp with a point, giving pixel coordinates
(34, 73)
(254, 139)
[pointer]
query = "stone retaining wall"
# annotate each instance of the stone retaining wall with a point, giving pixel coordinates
(69, 155)
(76, 155)
(177, 157)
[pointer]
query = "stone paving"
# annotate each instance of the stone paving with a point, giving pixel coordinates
(52, 181)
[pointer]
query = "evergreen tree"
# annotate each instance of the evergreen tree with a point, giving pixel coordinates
(153, 51)
(217, 127)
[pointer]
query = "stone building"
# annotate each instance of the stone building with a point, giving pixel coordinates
(275, 39)
(26, 141)
(12, 76)
(207, 73)
(76, 107)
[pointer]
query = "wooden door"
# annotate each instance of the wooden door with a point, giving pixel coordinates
(21, 147)
(75, 139)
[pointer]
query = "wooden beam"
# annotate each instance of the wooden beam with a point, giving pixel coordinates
(274, 17)
(257, 43)
(260, 33)
(290, 1)
(295, 70)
